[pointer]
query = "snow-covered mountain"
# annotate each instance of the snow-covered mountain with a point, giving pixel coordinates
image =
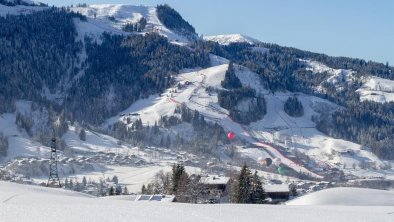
(231, 38)
(291, 141)
(112, 18)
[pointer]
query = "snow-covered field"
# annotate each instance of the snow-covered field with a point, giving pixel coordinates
(32, 203)
(346, 196)
(132, 177)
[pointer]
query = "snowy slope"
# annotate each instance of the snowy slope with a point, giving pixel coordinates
(19, 9)
(20, 143)
(196, 97)
(347, 196)
(338, 77)
(295, 134)
(94, 141)
(28, 203)
(231, 38)
(123, 14)
(377, 89)
(373, 89)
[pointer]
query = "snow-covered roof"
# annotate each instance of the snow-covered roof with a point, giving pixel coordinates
(214, 179)
(276, 188)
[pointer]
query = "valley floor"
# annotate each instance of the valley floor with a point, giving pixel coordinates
(33, 203)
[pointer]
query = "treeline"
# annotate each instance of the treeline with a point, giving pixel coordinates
(243, 187)
(135, 27)
(359, 65)
(280, 68)
(17, 2)
(293, 107)
(174, 21)
(207, 135)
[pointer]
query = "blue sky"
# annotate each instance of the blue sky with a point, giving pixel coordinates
(353, 28)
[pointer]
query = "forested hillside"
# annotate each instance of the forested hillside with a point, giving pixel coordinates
(368, 123)
(117, 71)
(42, 60)
(31, 62)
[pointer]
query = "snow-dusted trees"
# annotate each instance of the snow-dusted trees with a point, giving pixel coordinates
(24, 122)
(173, 20)
(115, 179)
(230, 99)
(82, 135)
(3, 145)
(293, 107)
(179, 182)
(135, 27)
(231, 81)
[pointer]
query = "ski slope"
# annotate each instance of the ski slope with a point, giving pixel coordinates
(21, 203)
(196, 97)
(346, 196)
(277, 127)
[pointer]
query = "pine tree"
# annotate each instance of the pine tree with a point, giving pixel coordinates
(118, 190)
(111, 191)
(243, 186)
(231, 81)
(84, 182)
(71, 185)
(115, 179)
(125, 191)
(179, 182)
(258, 193)
(143, 189)
(82, 135)
(66, 183)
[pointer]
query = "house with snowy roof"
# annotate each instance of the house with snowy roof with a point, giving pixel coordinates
(214, 187)
(277, 192)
